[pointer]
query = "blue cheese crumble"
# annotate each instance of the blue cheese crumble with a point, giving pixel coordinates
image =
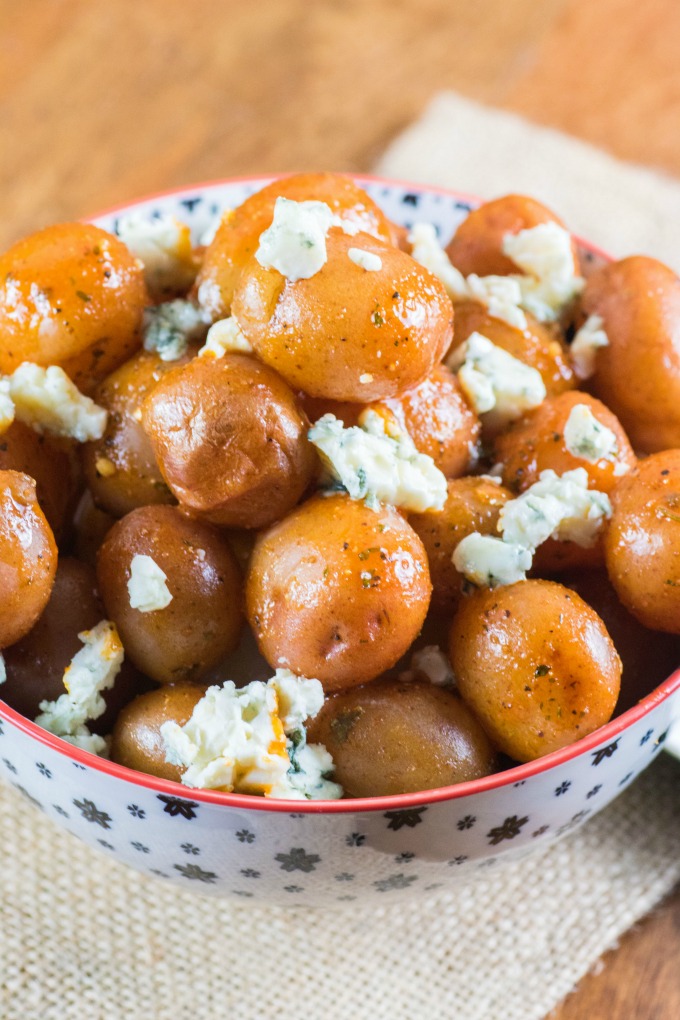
(92, 670)
(548, 284)
(169, 327)
(163, 246)
(587, 438)
(494, 380)
(7, 411)
(431, 663)
(147, 585)
(3, 669)
(295, 243)
(253, 740)
(590, 338)
(488, 562)
(47, 400)
(556, 506)
(225, 337)
(367, 260)
(377, 466)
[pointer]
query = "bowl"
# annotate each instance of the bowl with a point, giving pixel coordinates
(317, 853)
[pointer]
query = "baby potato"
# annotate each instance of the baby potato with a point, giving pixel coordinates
(28, 557)
(120, 468)
(136, 740)
(348, 333)
(439, 420)
(231, 440)
(70, 295)
(238, 235)
(647, 657)
(638, 374)
(202, 622)
(536, 442)
(50, 463)
(472, 504)
(642, 542)
(88, 529)
(392, 737)
(35, 665)
(337, 591)
(536, 665)
(539, 346)
(477, 245)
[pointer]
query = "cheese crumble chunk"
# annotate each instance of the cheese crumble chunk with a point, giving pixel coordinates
(295, 243)
(556, 506)
(168, 328)
(376, 466)
(47, 400)
(147, 586)
(163, 246)
(6, 406)
(367, 260)
(494, 380)
(3, 669)
(92, 670)
(253, 740)
(489, 562)
(501, 294)
(430, 662)
(544, 254)
(588, 438)
(590, 338)
(225, 337)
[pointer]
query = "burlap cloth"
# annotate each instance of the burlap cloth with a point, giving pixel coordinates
(82, 938)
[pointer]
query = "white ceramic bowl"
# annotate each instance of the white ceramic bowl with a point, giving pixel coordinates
(314, 853)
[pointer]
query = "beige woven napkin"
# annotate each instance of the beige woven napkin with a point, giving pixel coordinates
(82, 938)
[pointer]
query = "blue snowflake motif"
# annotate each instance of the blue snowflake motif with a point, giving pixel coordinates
(60, 811)
(298, 860)
(136, 812)
(12, 768)
(140, 847)
(399, 881)
(344, 876)
(604, 752)
(432, 886)
(245, 836)
(540, 831)
(250, 873)
(175, 806)
(189, 848)
(460, 859)
(157, 871)
(43, 770)
(562, 788)
(466, 823)
(91, 813)
(77, 765)
(242, 892)
(196, 873)
(345, 898)
(595, 790)
(2, 728)
(661, 739)
(509, 829)
(628, 776)
(409, 817)
(293, 888)
(520, 782)
(648, 735)
(355, 839)
(404, 858)
(107, 846)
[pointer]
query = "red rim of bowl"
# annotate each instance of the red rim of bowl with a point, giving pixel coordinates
(605, 734)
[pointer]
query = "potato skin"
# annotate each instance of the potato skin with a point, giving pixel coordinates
(50, 463)
(536, 665)
(477, 245)
(136, 739)
(238, 235)
(70, 295)
(642, 542)
(638, 374)
(538, 346)
(36, 664)
(120, 468)
(202, 622)
(337, 591)
(439, 420)
(472, 504)
(390, 737)
(345, 333)
(230, 440)
(28, 557)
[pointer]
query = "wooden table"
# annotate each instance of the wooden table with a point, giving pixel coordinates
(104, 102)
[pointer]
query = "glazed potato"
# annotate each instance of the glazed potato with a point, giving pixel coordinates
(238, 235)
(88, 529)
(28, 557)
(536, 442)
(202, 622)
(71, 295)
(231, 440)
(638, 374)
(536, 665)
(477, 245)
(337, 591)
(50, 463)
(539, 346)
(647, 657)
(348, 333)
(136, 740)
(35, 665)
(392, 737)
(120, 468)
(472, 504)
(439, 420)
(642, 543)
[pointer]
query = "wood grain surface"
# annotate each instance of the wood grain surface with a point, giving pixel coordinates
(103, 102)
